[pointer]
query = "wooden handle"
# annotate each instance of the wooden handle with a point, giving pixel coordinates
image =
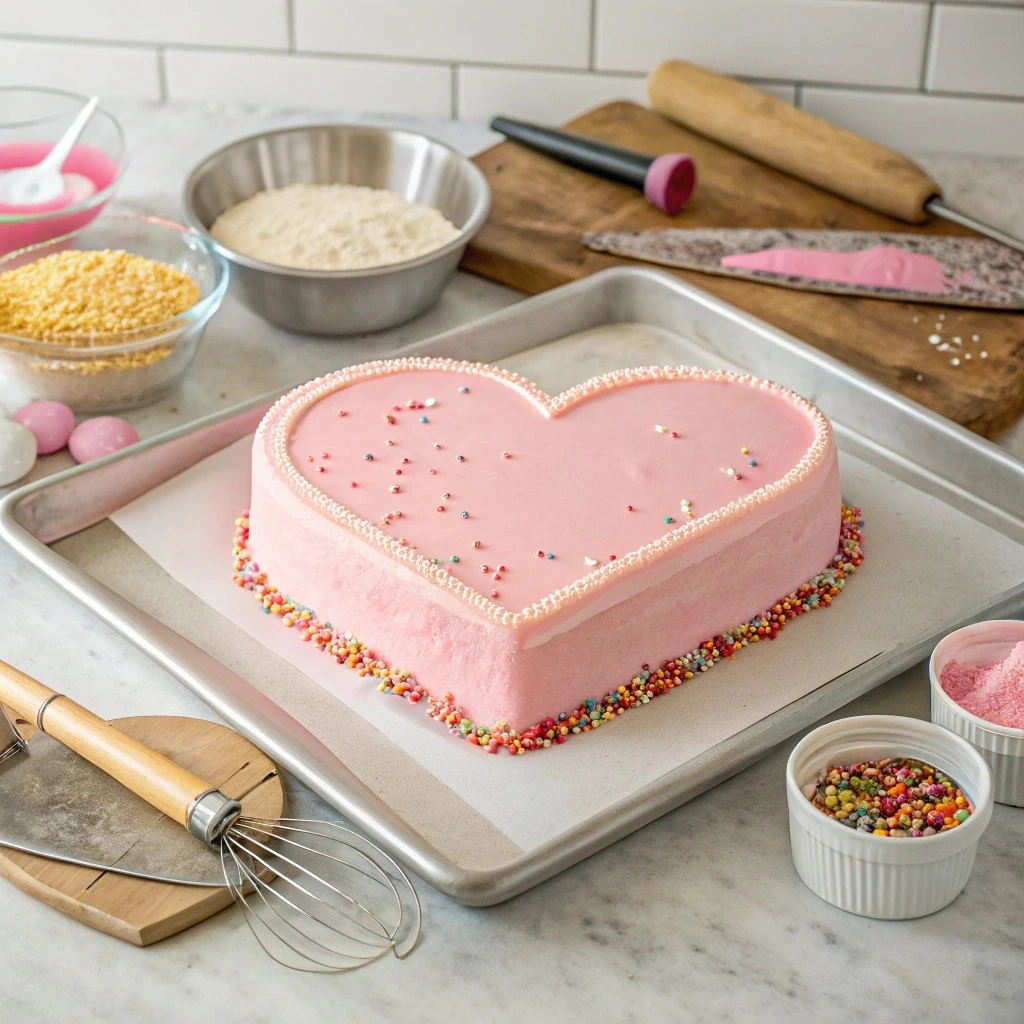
(792, 140)
(152, 776)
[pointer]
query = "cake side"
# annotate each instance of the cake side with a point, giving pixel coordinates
(501, 673)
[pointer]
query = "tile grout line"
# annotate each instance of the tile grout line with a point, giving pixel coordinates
(161, 73)
(592, 57)
(929, 42)
(881, 90)
(455, 91)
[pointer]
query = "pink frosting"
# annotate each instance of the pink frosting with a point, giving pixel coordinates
(883, 266)
(560, 628)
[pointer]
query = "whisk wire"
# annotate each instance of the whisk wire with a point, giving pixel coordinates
(395, 866)
(337, 860)
(280, 875)
(250, 914)
(278, 828)
(288, 906)
(262, 889)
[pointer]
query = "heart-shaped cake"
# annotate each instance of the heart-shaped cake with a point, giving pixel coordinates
(526, 551)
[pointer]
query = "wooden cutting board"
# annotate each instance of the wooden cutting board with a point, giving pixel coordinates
(541, 207)
(135, 909)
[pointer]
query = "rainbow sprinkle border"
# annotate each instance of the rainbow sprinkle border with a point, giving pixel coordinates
(641, 689)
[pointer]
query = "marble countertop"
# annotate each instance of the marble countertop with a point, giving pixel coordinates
(699, 916)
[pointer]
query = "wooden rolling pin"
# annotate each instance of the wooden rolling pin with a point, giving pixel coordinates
(802, 144)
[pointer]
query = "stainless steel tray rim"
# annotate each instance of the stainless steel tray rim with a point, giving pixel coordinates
(282, 737)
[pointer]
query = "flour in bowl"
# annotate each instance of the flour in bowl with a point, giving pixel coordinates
(331, 227)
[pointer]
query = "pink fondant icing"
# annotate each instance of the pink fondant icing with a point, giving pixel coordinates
(883, 266)
(560, 628)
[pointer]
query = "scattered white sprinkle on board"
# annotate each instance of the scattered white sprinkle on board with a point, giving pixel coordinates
(934, 339)
(943, 348)
(957, 341)
(920, 376)
(975, 337)
(589, 561)
(967, 355)
(954, 361)
(659, 429)
(917, 319)
(984, 355)
(430, 403)
(942, 316)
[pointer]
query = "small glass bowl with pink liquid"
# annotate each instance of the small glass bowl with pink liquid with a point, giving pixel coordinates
(974, 648)
(31, 121)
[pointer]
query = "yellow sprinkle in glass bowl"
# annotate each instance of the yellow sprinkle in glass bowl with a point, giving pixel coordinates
(108, 371)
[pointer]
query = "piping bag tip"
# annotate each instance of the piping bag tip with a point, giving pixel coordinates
(670, 181)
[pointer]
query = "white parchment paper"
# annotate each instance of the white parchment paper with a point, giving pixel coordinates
(925, 563)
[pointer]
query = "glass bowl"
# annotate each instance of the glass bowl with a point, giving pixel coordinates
(31, 121)
(114, 371)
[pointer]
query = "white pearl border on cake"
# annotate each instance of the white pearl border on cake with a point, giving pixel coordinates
(276, 426)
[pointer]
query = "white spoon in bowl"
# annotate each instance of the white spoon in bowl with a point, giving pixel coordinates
(42, 183)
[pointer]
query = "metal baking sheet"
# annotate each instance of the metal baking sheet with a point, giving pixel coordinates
(893, 434)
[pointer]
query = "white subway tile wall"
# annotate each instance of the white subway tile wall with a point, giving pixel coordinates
(555, 95)
(854, 42)
(541, 95)
(261, 23)
(549, 32)
(915, 123)
(977, 50)
(86, 68)
(294, 80)
(921, 75)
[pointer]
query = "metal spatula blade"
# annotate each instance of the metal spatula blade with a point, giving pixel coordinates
(56, 804)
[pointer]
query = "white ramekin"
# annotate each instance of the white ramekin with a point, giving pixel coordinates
(892, 879)
(1002, 746)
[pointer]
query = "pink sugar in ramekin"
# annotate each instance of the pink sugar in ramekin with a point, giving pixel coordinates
(982, 643)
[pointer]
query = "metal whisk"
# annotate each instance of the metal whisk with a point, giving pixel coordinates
(313, 893)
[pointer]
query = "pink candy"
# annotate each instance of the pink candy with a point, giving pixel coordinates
(51, 422)
(53, 426)
(95, 438)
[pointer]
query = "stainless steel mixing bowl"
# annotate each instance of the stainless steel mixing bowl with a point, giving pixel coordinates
(340, 301)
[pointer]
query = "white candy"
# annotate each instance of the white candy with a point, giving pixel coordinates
(17, 451)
